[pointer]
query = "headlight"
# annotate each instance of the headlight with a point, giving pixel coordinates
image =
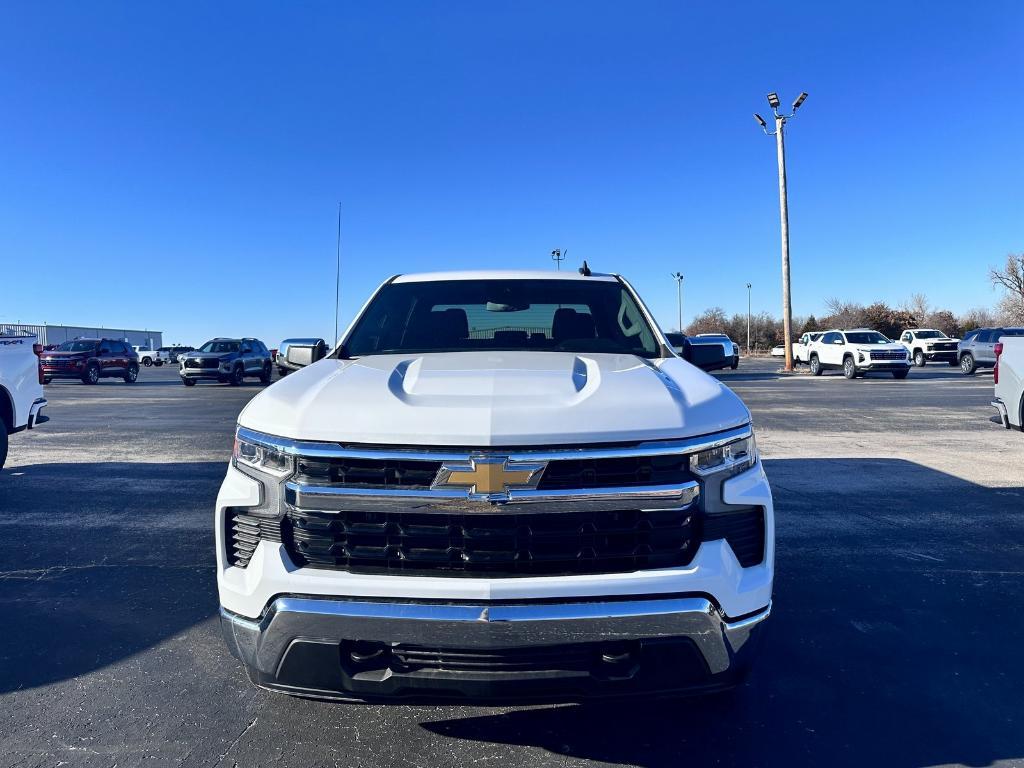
(252, 453)
(860, 357)
(731, 458)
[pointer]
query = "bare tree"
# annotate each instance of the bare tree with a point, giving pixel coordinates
(919, 307)
(1011, 280)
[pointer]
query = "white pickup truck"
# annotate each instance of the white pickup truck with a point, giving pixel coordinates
(499, 485)
(802, 348)
(1009, 381)
(21, 387)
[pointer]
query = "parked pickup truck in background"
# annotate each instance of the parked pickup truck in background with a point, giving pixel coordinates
(148, 356)
(802, 348)
(499, 485)
(21, 387)
(1008, 375)
(705, 353)
(928, 344)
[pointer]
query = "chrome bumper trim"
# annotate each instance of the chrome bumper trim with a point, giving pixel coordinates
(262, 643)
(33, 411)
(1004, 415)
(455, 500)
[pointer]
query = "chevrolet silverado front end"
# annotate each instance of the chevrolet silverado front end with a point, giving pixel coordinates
(499, 486)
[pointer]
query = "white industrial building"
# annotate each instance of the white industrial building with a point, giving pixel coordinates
(58, 334)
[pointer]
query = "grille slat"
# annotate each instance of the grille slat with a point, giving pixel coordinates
(888, 355)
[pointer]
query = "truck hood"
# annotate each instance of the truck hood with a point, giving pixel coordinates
(486, 399)
(64, 355)
(206, 355)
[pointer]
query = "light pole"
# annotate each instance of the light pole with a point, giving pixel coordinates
(678, 277)
(780, 146)
(748, 319)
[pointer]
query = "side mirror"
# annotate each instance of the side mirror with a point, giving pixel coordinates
(838, 341)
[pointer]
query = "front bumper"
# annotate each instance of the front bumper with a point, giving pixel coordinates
(363, 649)
(946, 356)
(884, 365)
(205, 373)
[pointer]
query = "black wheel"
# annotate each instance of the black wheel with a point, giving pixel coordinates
(236, 376)
(91, 374)
(736, 365)
(849, 368)
(919, 360)
(188, 382)
(158, 363)
(282, 371)
(901, 374)
(815, 366)
(132, 374)
(267, 374)
(147, 362)
(3, 444)
(967, 364)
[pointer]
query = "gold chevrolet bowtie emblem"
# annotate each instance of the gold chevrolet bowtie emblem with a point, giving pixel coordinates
(489, 475)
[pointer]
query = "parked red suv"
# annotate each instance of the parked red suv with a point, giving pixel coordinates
(90, 360)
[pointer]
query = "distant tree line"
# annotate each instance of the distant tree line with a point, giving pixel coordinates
(766, 330)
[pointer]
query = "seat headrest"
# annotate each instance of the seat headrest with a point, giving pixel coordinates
(570, 324)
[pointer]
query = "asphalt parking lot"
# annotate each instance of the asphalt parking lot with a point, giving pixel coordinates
(895, 638)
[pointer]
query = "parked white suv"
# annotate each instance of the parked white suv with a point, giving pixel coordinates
(500, 484)
(858, 352)
(928, 344)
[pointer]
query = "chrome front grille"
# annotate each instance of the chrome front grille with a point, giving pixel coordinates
(588, 509)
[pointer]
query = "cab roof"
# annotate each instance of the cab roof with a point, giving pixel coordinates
(502, 274)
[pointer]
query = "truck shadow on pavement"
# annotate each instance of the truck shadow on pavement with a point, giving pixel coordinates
(100, 561)
(895, 638)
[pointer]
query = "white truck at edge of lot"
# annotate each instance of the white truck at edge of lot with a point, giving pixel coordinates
(498, 485)
(21, 387)
(928, 344)
(148, 356)
(1009, 381)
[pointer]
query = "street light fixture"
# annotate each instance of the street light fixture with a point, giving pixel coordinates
(760, 120)
(780, 148)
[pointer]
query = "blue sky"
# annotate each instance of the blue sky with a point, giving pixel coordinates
(178, 166)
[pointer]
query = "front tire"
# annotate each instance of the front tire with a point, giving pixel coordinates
(815, 366)
(849, 368)
(158, 363)
(901, 374)
(237, 375)
(91, 374)
(147, 362)
(132, 374)
(188, 382)
(267, 374)
(919, 360)
(3, 444)
(967, 364)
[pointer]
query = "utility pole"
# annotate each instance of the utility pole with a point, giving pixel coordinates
(559, 257)
(748, 319)
(780, 146)
(678, 277)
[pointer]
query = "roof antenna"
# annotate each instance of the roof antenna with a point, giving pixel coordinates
(585, 270)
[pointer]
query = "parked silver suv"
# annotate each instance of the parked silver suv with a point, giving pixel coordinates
(977, 349)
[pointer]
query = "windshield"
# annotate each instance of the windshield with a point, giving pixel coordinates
(931, 335)
(866, 337)
(219, 346)
(77, 346)
(493, 315)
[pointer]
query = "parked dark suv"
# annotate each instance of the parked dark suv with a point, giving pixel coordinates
(90, 360)
(226, 360)
(977, 349)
